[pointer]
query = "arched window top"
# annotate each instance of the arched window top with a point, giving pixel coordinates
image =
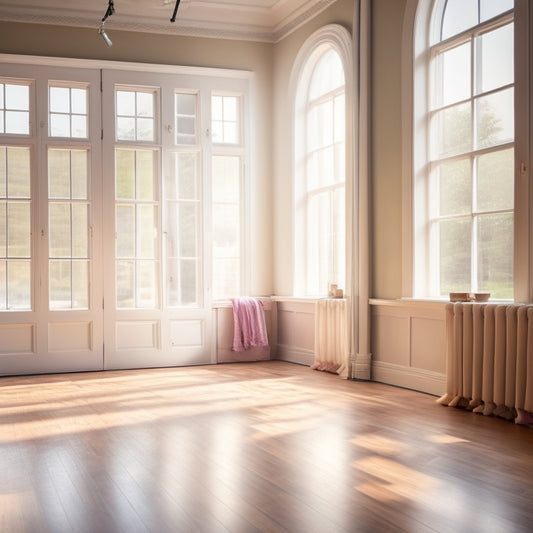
(452, 17)
(328, 74)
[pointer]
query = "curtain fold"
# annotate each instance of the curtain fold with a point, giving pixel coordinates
(331, 336)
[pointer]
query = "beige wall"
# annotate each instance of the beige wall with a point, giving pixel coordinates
(285, 53)
(386, 141)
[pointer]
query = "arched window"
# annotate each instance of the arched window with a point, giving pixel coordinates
(320, 162)
(464, 148)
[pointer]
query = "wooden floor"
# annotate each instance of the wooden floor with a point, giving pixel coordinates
(270, 447)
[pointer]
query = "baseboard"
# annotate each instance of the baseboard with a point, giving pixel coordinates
(410, 378)
(294, 355)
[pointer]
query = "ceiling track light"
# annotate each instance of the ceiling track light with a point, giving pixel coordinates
(110, 10)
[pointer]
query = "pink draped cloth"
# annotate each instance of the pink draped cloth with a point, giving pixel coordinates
(249, 328)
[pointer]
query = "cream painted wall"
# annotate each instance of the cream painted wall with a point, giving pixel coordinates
(341, 12)
(386, 141)
(85, 43)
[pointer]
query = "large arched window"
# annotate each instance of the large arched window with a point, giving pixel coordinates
(464, 148)
(320, 162)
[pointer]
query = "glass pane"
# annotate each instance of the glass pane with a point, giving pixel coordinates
(80, 233)
(230, 132)
(230, 109)
(79, 126)
(60, 284)
(125, 174)
(2, 115)
(455, 187)
(186, 104)
(3, 172)
(217, 131)
(126, 103)
(3, 283)
(125, 284)
(325, 161)
(17, 122)
(187, 224)
(325, 123)
(340, 163)
(145, 175)
(187, 176)
(126, 128)
(339, 121)
(328, 74)
(459, 16)
(147, 284)
(453, 130)
(226, 275)
(17, 97)
(491, 8)
(495, 255)
(60, 229)
(18, 173)
(19, 229)
(145, 104)
(226, 233)
(19, 284)
(78, 165)
(125, 215)
(494, 118)
(186, 125)
(455, 72)
(495, 181)
(3, 229)
(226, 178)
(60, 100)
(188, 277)
(455, 256)
(79, 101)
(80, 284)
(495, 50)
(59, 125)
(59, 174)
(145, 129)
(146, 224)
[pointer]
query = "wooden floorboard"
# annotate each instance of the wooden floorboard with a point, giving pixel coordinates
(252, 447)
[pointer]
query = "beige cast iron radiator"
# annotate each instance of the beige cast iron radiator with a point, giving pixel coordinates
(489, 366)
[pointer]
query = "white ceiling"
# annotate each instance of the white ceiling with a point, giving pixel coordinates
(262, 20)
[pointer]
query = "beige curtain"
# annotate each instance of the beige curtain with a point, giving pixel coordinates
(331, 336)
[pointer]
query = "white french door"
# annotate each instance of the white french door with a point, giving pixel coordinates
(120, 215)
(50, 220)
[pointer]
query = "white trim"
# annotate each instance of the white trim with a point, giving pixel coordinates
(161, 68)
(411, 378)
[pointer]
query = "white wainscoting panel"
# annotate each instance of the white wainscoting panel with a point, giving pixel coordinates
(70, 336)
(409, 344)
(17, 339)
(296, 330)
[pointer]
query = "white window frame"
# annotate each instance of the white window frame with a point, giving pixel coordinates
(420, 24)
(338, 38)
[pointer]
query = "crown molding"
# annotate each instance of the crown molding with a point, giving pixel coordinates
(219, 20)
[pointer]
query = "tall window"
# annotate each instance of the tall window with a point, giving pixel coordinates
(320, 169)
(464, 203)
(227, 168)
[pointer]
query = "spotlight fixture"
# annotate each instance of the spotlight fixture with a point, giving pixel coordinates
(110, 10)
(102, 32)
(173, 19)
